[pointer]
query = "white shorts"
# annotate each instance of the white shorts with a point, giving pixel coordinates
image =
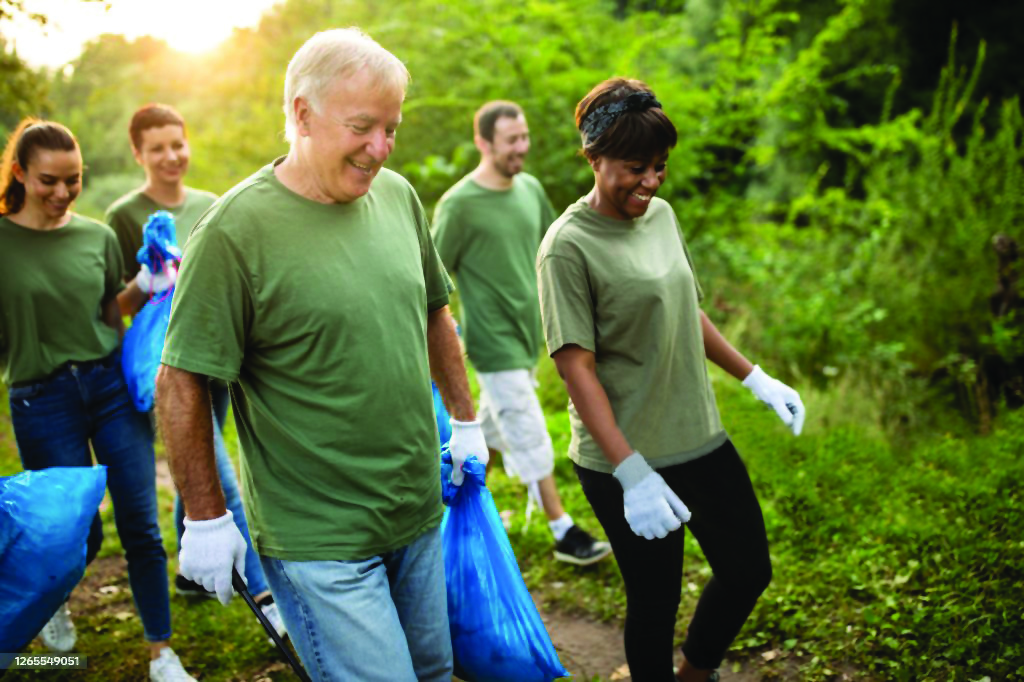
(514, 424)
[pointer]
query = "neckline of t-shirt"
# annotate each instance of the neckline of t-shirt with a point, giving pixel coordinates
(271, 177)
(74, 217)
(164, 207)
(599, 219)
(489, 190)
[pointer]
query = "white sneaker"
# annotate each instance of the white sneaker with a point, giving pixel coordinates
(274, 616)
(59, 633)
(168, 668)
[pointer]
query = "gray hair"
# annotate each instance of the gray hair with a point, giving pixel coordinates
(333, 54)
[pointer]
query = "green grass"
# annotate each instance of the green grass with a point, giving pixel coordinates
(890, 562)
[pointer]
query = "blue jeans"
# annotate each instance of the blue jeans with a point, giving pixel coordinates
(254, 578)
(381, 619)
(55, 421)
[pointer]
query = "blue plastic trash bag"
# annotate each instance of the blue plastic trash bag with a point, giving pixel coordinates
(444, 427)
(497, 634)
(44, 524)
(159, 242)
(143, 346)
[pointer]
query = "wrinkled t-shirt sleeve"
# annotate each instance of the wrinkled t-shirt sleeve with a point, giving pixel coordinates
(212, 309)
(566, 307)
(113, 277)
(435, 277)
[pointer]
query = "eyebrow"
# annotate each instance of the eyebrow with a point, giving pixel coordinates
(47, 176)
(366, 118)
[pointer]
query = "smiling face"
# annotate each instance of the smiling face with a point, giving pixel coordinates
(164, 154)
(623, 188)
(52, 181)
(507, 151)
(348, 140)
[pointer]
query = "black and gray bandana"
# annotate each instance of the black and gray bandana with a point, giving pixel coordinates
(600, 119)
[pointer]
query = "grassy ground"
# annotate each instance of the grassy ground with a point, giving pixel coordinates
(902, 563)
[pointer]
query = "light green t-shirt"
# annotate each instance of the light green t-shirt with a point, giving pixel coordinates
(316, 315)
(488, 239)
(626, 291)
(53, 286)
(128, 214)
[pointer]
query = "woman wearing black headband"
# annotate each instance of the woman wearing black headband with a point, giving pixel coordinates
(620, 304)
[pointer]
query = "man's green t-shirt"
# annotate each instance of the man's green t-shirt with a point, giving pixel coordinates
(488, 239)
(53, 286)
(316, 315)
(626, 291)
(130, 213)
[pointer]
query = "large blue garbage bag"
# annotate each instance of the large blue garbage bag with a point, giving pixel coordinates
(44, 524)
(143, 346)
(497, 634)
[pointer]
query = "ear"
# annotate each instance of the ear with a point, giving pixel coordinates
(595, 162)
(137, 154)
(483, 146)
(302, 110)
(18, 172)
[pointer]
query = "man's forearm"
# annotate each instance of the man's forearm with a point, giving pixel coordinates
(131, 299)
(186, 424)
(447, 367)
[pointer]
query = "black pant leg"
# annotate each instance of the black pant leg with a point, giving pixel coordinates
(652, 571)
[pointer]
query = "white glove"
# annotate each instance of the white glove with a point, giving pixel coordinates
(467, 439)
(158, 283)
(209, 550)
(780, 397)
(652, 509)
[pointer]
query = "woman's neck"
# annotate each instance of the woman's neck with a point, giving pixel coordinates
(165, 194)
(36, 219)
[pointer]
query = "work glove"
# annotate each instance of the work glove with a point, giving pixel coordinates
(652, 509)
(780, 397)
(209, 550)
(467, 439)
(158, 283)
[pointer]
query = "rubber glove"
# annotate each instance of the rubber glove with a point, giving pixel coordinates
(780, 397)
(209, 550)
(158, 283)
(652, 509)
(467, 439)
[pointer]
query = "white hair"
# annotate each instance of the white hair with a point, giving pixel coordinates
(330, 55)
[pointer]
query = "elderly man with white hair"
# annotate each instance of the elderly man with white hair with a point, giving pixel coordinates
(314, 290)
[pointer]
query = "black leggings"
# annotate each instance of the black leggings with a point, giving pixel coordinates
(727, 523)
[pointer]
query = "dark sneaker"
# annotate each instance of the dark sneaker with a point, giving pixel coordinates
(186, 588)
(577, 547)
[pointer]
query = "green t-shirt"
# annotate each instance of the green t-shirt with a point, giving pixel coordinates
(316, 315)
(626, 291)
(128, 214)
(488, 239)
(53, 286)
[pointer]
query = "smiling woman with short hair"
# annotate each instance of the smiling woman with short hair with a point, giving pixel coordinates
(620, 306)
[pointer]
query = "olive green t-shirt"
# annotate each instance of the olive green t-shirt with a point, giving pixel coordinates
(626, 291)
(53, 286)
(130, 213)
(488, 239)
(316, 315)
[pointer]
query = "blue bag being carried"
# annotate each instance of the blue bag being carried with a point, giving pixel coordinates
(144, 341)
(44, 524)
(497, 634)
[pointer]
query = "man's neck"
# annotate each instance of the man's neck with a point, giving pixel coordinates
(170, 195)
(487, 177)
(295, 176)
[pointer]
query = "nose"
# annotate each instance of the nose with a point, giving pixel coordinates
(652, 179)
(379, 146)
(172, 154)
(61, 190)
